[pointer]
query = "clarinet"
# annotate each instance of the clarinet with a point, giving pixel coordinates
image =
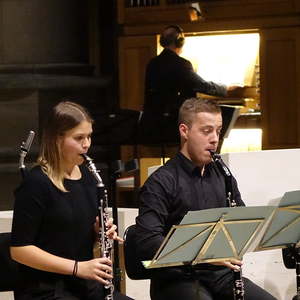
(106, 244)
(238, 287)
(25, 146)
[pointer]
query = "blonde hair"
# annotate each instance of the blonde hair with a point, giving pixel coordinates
(64, 116)
(192, 106)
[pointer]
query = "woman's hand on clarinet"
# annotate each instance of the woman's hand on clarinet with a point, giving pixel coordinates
(96, 269)
(111, 232)
(233, 264)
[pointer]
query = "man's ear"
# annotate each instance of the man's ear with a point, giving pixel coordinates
(183, 130)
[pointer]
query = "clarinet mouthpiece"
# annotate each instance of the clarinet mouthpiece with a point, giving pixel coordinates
(211, 152)
(215, 156)
(86, 157)
(92, 168)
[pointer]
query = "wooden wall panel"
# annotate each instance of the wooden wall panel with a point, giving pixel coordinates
(134, 54)
(280, 97)
(245, 8)
(278, 23)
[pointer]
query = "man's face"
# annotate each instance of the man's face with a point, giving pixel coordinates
(202, 136)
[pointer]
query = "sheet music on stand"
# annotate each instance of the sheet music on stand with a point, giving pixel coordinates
(230, 113)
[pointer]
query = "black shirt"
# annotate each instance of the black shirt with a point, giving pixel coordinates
(61, 223)
(172, 191)
(169, 80)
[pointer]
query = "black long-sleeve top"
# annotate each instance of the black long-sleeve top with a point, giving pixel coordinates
(170, 79)
(61, 223)
(172, 191)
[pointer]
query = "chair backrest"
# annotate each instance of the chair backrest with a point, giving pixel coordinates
(134, 267)
(9, 269)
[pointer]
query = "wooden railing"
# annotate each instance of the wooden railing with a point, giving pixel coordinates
(155, 11)
(143, 3)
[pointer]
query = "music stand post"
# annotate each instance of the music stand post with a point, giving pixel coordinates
(115, 128)
(116, 169)
(158, 129)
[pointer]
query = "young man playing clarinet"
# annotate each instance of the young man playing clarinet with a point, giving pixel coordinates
(189, 181)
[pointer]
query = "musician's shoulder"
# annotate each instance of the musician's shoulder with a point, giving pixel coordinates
(34, 180)
(35, 175)
(35, 171)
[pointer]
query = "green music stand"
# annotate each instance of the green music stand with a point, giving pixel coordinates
(284, 230)
(284, 227)
(211, 235)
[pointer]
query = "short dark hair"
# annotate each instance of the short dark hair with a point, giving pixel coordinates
(192, 106)
(172, 35)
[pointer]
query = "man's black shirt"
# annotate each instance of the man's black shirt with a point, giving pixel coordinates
(169, 80)
(172, 191)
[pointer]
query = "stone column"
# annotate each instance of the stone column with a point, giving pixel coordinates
(44, 51)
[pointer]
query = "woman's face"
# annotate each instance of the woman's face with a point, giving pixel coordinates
(75, 142)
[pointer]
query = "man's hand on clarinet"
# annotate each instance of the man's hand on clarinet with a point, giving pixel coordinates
(233, 264)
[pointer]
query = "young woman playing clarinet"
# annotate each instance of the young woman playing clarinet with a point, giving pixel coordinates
(55, 213)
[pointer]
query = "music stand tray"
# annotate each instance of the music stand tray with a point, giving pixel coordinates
(211, 235)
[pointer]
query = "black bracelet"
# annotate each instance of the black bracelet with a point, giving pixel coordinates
(75, 268)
